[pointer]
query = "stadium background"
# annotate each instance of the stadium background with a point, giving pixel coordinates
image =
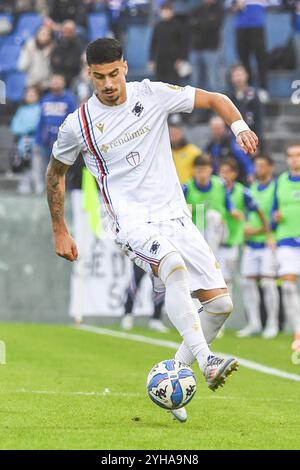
(25, 231)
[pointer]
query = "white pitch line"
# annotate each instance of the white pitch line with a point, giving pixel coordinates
(140, 395)
(173, 345)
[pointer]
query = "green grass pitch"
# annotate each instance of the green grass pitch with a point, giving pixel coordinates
(51, 395)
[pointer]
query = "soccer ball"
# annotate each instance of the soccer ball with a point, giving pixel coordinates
(171, 384)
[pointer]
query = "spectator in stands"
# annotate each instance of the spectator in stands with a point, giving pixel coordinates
(23, 6)
(65, 56)
(24, 125)
(222, 144)
(250, 23)
(8, 6)
(55, 106)
(62, 10)
(205, 36)
(168, 46)
(34, 59)
(296, 22)
(184, 153)
(246, 99)
(82, 86)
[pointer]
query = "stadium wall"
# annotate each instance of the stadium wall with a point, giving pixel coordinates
(34, 283)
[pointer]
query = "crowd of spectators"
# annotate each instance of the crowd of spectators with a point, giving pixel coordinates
(186, 47)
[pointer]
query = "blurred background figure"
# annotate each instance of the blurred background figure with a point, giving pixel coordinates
(81, 85)
(259, 257)
(250, 22)
(286, 210)
(168, 46)
(155, 323)
(65, 58)
(246, 99)
(183, 152)
(243, 202)
(35, 56)
(222, 144)
(209, 201)
(24, 126)
(205, 29)
(55, 106)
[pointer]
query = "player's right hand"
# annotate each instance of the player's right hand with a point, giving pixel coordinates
(65, 246)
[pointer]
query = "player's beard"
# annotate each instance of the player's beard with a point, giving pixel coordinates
(110, 98)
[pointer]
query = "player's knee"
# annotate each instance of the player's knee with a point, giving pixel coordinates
(222, 304)
(171, 264)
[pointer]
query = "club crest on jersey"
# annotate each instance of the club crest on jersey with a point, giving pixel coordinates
(133, 158)
(100, 126)
(138, 109)
(155, 247)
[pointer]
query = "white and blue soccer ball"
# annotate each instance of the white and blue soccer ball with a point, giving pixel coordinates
(171, 384)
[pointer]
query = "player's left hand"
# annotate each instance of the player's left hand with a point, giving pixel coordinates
(248, 141)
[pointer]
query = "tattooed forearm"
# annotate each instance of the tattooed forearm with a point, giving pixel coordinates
(55, 183)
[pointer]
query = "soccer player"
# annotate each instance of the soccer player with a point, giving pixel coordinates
(209, 200)
(122, 134)
(244, 201)
(286, 215)
(259, 259)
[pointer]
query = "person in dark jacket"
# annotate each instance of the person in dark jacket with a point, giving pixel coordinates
(65, 58)
(168, 46)
(246, 99)
(205, 37)
(250, 24)
(221, 145)
(62, 10)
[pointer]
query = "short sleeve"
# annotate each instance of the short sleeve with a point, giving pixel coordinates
(66, 148)
(174, 98)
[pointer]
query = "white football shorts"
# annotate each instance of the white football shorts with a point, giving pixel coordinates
(288, 258)
(228, 259)
(150, 242)
(258, 262)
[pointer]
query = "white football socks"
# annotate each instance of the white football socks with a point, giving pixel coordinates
(180, 307)
(252, 302)
(212, 316)
(291, 302)
(271, 300)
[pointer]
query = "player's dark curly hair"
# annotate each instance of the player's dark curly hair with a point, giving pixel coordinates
(103, 51)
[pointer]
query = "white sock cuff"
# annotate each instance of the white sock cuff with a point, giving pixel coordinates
(169, 264)
(221, 304)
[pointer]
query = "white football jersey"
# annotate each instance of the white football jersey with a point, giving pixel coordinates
(127, 148)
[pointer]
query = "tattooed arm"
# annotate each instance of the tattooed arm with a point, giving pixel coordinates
(55, 183)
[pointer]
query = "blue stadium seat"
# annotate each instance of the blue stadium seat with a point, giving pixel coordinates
(9, 55)
(27, 26)
(9, 18)
(137, 47)
(15, 86)
(97, 25)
